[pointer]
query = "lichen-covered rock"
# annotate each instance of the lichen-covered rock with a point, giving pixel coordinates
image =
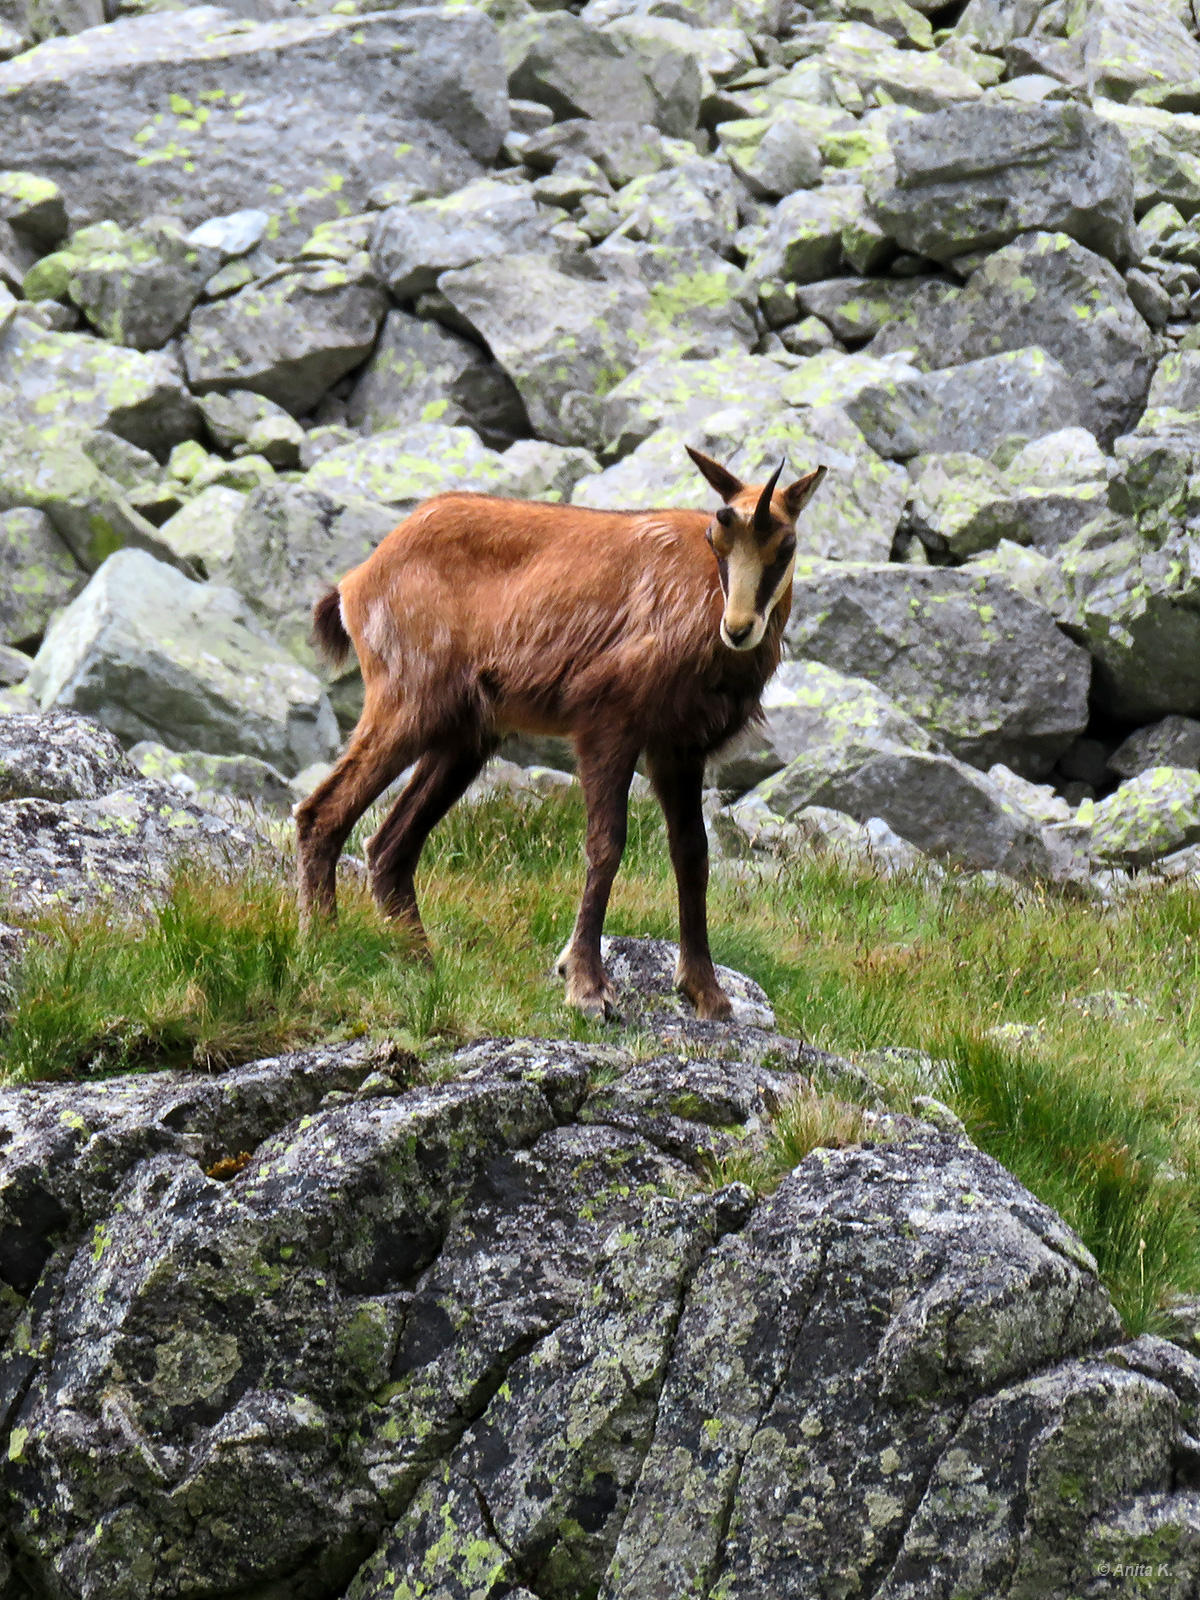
(290, 544)
(973, 177)
(123, 847)
(154, 656)
(691, 206)
(198, 114)
(289, 336)
(1173, 742)
(138, 287)
(772, 155)
(73, 377)
(578, 71)
(250, 424)
(412, 245)
(38, 574)
(1137, 44)
(564, 340)
(404, 466)
(1130, 604)
(935, 802)
(55, 755)
(203, 532)
(420, 371)
(854, 516)
(974, 407)
(985, 670)
(324, 1327)
(805, 704)
(207, 778)
(1148, 816)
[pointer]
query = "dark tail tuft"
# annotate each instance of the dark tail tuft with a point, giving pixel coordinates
(328, 630)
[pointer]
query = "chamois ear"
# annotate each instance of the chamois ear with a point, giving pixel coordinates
(722, 480)
(797, 495)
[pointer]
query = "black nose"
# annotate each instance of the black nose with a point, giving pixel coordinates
(736, 637)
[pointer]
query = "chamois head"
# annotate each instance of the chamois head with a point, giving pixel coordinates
(753, 536)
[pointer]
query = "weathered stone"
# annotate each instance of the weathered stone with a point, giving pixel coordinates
(974, 177)
(206, 778)
(154, 656)
(289, 337)
(38, 574)
(1049, 291)
(48, 469)
(174, 113)
(1164, 150)
(691, 206)
(1132, 606)
(1148, 816)
(55, 755)
(868, 58)
(982, 668)
(973, 407)
(1173, 742)
(806, 704)
(804, 240)
(250, 424)
(772, 155)
(402, 467)
(422, 372)
(580, 71)
(74, 377)
(203, 532)
(413, 244)
(961, 504)
(1069, 457)
(138, 289)
(696, 307)
(622, 150)
(854, 514)
(290, 544)
(1134, 44)
(856, 309)
(563, 340)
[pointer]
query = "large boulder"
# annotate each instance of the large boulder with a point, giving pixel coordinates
(1172, 742)
(38, 574)
(78, 825)
(289, 336)
(1046, 290)
(203, 532)
(973, 177)
(154, 656)
(937, 803)
(500, 1332)
(412, 244)
(198, 113)
(983, 669)
(808, 704)
(853, 517)
(77, 378)
(1137, 44)
(1164, 149)
(291, 543)
(564, 340)
(580, 71)
(138, 286)
(1136, 608)
(1148, 816)
(974, 407)
(420, 371)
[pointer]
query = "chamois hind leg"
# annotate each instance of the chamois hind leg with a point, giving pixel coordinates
(376, 757)
(441, 778)
(606, 759)
(678, 779)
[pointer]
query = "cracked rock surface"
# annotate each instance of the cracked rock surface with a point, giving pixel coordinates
(316, 1328)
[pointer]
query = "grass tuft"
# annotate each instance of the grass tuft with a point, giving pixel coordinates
(1097, 1111)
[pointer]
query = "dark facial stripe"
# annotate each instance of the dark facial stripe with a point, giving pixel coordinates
(723, 574)
(772, 577)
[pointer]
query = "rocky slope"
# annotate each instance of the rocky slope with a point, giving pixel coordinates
(270, 275)
(312, 1329)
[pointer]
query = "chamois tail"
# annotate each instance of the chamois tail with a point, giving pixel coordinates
(329, 631)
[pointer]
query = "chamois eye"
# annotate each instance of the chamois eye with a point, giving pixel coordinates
(725, 516)
(787, 549)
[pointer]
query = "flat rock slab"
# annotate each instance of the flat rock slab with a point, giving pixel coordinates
(199, 113)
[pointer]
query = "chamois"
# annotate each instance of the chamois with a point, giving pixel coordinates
(630, 631)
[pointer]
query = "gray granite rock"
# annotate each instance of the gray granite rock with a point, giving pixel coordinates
(975, 176)
(1173, 742)
(289, 336)
(154, 656)
(38, 574)
(141, 117)
(411, 245)
(982, 668)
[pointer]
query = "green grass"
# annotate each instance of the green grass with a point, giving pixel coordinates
(1096, 1114)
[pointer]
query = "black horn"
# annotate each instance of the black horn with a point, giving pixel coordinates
(762, 511)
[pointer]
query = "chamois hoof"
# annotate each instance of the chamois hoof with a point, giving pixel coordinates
(711, 1004)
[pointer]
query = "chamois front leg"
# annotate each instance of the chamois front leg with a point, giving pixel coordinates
(607, 758)
(678, 779)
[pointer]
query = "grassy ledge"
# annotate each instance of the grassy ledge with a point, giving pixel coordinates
(1092, 1103)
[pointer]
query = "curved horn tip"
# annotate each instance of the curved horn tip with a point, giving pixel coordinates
(762, 511)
